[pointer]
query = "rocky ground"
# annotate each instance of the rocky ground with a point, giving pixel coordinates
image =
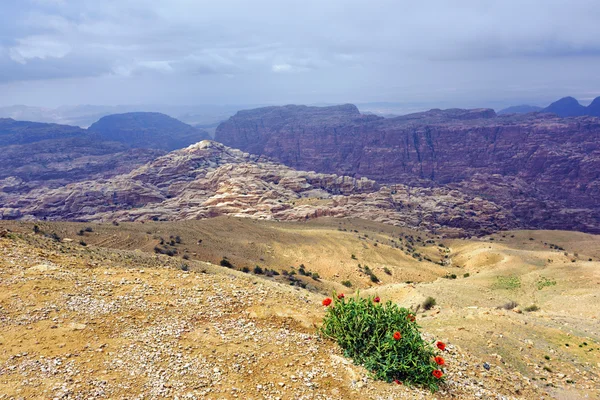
(85, 322)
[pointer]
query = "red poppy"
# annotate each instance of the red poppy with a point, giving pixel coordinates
(411, 318)
(437, 373)
(341, 296)
(397, 382)
(439, 360)
(327, 302)
(441, 346)
(377, 299)
(397, 335)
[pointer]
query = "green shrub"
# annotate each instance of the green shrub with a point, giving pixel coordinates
(258, 270)
(466, 275)
(366, 331)
(531, 308)
(348, 284)
(387, 270)
(429, 303)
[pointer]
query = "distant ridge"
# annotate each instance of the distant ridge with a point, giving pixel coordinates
(565, 107)
(521, 109)
(148, 130)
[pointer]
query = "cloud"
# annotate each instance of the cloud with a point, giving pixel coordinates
(281, 68)
(386, 47)
(40, 47)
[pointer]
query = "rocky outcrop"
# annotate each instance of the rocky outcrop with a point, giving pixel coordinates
(208, 179)
(543, 168)
(148, 130)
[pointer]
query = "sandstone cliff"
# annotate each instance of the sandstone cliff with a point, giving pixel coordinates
(544, 168)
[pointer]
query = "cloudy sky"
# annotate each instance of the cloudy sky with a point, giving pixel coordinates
(455, 53)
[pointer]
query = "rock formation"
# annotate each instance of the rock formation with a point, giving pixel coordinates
(208, 179)
(543, 168)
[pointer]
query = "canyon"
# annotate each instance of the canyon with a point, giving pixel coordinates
(543, 168)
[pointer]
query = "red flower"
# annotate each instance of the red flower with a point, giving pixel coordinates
(411, 318)
(397, 382)
(437, 373)
(441, 346)
(397, 335)
(439, 360)
(327, 302)
(377, 299)
(341, 296)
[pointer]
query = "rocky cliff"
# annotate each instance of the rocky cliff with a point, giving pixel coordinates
(544, 168)
(208, 179)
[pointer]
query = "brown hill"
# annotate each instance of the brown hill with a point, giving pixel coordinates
(541, 167)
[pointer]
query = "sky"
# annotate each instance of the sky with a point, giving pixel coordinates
(461, 53)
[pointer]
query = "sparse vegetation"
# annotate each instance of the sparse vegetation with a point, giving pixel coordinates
(531, 308)
(387, 271)
(545, 282)
(507, 283)
(225, 263)
(258, 270)
(429, 303)
(510, 305)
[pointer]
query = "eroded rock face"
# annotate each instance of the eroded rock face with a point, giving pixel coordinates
(209, 179)
(543, 168)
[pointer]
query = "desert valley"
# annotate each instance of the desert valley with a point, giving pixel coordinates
(144, 258)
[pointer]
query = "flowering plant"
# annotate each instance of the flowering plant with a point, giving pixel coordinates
(385, 339)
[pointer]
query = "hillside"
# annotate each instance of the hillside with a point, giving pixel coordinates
(147, 130)
(513, 160)
(99, 312)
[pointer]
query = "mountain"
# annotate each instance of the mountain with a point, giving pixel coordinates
(566, 107)
(543, 168)
(37, 155)
(23, 132)
(594, 107)
(208, 179)
(147, 130)
(522, 109)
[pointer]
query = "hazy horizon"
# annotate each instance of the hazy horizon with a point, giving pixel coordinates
(266, 52)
